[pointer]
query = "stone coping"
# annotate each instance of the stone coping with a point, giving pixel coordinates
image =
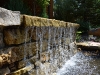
(27, 20)
(11, 18)
(8, 17)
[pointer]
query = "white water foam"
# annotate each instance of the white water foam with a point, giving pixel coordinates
(79, 65)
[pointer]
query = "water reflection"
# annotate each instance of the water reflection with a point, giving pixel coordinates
(81, 65)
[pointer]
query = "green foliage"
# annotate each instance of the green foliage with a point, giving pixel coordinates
(43, 4)
(84, 12)
(65, 10)
(78, 37)
(84, 26)
(18, 5)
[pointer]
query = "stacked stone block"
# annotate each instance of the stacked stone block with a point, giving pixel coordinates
(18, 44)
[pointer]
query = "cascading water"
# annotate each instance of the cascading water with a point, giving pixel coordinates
(54, 47)
(26, 30)
(59, 49)
(80, 65)
(27, 63)
(25, 45)
(37, 52)
(30, 46)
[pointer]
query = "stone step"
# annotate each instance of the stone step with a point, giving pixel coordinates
(89, 45)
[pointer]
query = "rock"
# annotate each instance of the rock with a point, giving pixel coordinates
(44, 45)
(33, 60)
(95, 32)
(8, 17)
(31, 20)
(44, 57)
(44, 22)
(1, 61)
(13, 54)
(7, 58)
(38, 21)
(55, 23)
(13, 67)
(21, 64)
(32, 33)
(30, 49)
(63, 24)
(44, 69)
(15, 36)
(67, 41)
(37, 63)
(88, 45)
(23, 71)
(54, 74)
(4, 71)
(1, 40)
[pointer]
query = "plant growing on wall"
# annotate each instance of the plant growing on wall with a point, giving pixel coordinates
(43, 4)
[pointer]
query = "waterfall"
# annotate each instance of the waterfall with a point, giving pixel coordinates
(58, 49)
(38, 46)
(80, 65)
(25, 46)
(48, 38)
(37, 52)
(26, 52)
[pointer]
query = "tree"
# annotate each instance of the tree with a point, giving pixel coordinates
(18, 5)
(43, 4)
(65, 10)
(84, 12)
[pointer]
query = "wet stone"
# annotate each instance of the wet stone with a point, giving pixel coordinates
(15, 36)
(4, 71)
(1, 40)
(13, 67)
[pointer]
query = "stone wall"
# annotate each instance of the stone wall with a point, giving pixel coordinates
(38, 46)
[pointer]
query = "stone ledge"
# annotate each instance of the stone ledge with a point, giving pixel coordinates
(8, 17)
(89, 45)
(38, 21)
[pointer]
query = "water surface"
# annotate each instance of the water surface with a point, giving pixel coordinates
(81, 65)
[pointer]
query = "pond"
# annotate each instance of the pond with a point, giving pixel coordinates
(79, 64)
